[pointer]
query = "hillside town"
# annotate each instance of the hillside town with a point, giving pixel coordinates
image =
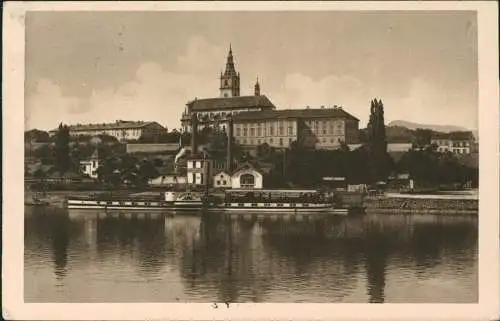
(243, 140)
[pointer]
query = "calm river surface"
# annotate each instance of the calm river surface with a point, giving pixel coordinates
(370, 258)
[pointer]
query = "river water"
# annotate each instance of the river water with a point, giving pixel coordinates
(154, 258)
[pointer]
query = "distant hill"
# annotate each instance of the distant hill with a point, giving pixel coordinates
(401, 131)
(437, 128)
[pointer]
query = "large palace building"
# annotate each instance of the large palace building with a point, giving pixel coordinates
(323, 128)
(257, 121)
(214, 111)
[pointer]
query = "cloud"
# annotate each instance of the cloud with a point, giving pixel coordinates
(424, 102)
(47, 106)
(429, 103)
(298, 91)
(155, 93)
(160, 95)
(200, 57)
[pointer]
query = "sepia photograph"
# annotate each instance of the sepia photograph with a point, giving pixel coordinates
(223, 156)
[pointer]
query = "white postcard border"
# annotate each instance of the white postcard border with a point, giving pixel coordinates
(13, 177)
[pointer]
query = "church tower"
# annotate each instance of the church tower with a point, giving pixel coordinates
(230, 79)
(257, 88)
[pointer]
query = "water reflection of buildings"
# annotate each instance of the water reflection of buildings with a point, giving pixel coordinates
(225, 260)
(49, 233)
(247, 260)
(141, 239)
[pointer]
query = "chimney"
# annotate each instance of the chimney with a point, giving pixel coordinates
(194, 132)
(230, 145)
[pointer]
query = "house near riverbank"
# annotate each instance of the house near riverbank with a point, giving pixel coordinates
(462, 142)
(249, 176)
(89, 166)
(170, 179)
(222, 180)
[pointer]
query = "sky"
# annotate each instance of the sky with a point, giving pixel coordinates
(94, 67)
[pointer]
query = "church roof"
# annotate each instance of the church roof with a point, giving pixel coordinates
(229, 103)
(294, 113)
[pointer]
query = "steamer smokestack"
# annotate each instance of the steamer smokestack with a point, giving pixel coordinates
(194, 132)
(230, 145)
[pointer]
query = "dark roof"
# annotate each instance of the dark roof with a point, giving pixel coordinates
(230, 103)
(463, 135)
(116, 125)
(95, 154)
(294, 113)
(204, 153)
(261, 168)
(396, 156)
(153, 148)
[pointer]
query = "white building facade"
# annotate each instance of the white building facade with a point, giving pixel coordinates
(198, 171)
(121, 130)
(222, 180)
(89, 167)
(247, 177)
(455, 142)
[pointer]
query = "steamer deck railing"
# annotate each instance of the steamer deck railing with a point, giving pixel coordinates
(234, 200)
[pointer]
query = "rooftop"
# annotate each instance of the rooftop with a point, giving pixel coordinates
(336, 112)
(230, 103)
(119, 124)
(463, 135)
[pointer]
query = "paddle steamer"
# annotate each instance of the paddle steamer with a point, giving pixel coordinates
(272, 201)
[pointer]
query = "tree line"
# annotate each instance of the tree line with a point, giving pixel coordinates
(369, 163)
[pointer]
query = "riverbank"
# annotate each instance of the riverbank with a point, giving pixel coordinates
(58, 198)
(384, 204)
(421, 205)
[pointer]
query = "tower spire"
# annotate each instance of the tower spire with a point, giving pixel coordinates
(230, 79)
(257, 87)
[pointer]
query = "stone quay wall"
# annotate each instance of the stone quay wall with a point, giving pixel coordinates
(420, 205)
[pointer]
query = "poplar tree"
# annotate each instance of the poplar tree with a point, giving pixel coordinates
(377, 142)
(62, 152)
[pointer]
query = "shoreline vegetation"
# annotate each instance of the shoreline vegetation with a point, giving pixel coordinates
(56, 171)
(380, 204)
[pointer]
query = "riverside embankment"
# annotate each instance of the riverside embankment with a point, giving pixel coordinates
(423, 204)
(58, 198)
(385, 204)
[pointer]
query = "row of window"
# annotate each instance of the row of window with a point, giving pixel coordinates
(331, 131)
(195, 164)
(259, 132)
(454, 150)
(263, 131)
(222, 114)
(454, 144)
(269, 204)
(114, 133)
(196, 179)
(270, 141)
(324, 123)
(280, 141)
(128, 203)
